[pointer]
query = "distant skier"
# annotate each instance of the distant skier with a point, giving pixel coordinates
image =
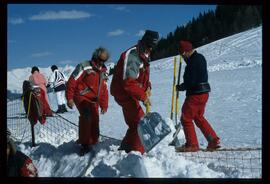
(57, 81)
(131, 84)
(38, 78)
(87, 88)
(197, 93)
(18, 164)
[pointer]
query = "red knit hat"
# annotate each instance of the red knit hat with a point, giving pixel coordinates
(185, 46)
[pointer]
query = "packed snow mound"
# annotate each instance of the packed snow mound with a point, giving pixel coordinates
(106, 161)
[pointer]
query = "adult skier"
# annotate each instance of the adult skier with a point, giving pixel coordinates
(57, 81)
(197, 92)
(87, 89)
(131, 84)
(39, 79)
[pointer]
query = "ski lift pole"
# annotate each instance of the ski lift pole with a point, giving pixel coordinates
(177, 94)
(175, 141)
(173, 87)
(148, 108)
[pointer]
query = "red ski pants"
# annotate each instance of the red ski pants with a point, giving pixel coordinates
(133, 113)
(88, 122)
(193, 109)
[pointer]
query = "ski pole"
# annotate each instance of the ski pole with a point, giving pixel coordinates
(173, 87)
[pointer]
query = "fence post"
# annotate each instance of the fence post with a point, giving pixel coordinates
(33, 134)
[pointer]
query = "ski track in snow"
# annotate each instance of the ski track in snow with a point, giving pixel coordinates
(233, 109)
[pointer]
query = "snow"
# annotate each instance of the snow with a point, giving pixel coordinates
(233, 109)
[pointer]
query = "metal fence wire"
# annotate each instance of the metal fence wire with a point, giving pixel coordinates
(239, 162)
(55, 131)
(235, 163)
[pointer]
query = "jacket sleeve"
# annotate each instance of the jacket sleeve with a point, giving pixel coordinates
(28, 169)
(73, 80)
(131, 85)
(104, 97)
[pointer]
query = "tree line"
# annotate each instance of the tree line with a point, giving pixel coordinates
(209, 26)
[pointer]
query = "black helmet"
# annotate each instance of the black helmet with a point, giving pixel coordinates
(54, 67)
(150, 38)
(34, 68)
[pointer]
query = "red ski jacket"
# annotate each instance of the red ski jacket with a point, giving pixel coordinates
(131, 76)
(88, 82)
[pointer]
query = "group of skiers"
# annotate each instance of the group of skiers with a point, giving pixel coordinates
(57, 81)
(87, 89)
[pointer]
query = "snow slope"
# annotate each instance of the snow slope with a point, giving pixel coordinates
(233, 109)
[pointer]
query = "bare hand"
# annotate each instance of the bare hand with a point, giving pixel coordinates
(148, 92)
(147, 102)
(70, 104)
(103, 111)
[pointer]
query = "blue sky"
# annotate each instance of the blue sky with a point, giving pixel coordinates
(63, 34)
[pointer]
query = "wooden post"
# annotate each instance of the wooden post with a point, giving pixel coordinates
(33, 134)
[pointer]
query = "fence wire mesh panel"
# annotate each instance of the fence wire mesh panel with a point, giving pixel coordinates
(55, 131)
(244, 163)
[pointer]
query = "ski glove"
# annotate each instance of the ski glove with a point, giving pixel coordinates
(180, 87)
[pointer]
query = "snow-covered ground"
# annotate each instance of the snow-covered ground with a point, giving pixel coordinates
(233, 109)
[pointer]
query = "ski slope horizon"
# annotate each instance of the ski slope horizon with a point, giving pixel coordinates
(234, 110)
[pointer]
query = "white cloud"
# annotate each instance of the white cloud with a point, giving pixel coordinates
(16, 21)
(116, 32)
(62, 14)
(140, 33)
(122, 8)
(41, 54)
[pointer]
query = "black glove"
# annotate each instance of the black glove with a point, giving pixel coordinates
(180, 87)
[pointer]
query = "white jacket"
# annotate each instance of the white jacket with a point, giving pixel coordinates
(56, 79)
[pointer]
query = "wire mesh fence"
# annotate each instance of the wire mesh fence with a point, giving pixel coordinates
(55, 131)
(234, 163)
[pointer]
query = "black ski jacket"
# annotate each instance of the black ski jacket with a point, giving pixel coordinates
(196, 75)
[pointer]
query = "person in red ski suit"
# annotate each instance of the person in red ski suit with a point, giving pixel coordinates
(18, 164)
(87, 88)
(197, 93)
(130, 85)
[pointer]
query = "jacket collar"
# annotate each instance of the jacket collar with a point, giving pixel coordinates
(94, 64)
(145, 59)
(188, 60)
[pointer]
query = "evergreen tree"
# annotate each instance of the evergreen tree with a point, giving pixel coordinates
(210, 26)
